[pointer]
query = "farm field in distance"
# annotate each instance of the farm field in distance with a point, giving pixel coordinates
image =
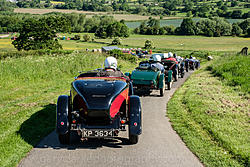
(126, 17)
(162, 42)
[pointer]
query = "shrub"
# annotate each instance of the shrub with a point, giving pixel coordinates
(148, 44)
(77, 37)
(86, 37)
(116, 41)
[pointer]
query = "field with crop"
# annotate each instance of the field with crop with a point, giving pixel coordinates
(212, 116)
(127, 17)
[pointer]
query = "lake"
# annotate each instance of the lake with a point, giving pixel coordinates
(174, 22)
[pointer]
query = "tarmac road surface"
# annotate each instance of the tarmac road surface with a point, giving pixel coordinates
(158, 146)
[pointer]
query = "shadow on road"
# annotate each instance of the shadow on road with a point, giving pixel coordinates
(148, 93)
(39, 125)
(42, 123)
(51, 141)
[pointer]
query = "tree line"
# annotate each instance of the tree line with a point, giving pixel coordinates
(211, 27)
(40, 31)
(102, 26)
(108, 27)
(196, 8)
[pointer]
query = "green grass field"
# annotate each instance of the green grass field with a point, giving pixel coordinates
(29, 89)
(234, 70)
(212, 118)
(162, 42)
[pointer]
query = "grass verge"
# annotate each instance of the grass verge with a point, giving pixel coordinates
(234, 70)
(29, 89)
(212, 119)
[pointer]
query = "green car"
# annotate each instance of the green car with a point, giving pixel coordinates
(146, 77)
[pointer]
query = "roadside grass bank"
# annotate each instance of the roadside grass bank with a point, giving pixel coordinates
(29, 89)
(212, 118)
(234, 70)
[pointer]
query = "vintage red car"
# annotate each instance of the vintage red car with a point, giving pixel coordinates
(99, 106)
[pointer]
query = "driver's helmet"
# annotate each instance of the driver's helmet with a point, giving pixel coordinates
(157, 58)
(175, 55)
(110, 63)
(179, 58)
(165, 55)
(170, 54)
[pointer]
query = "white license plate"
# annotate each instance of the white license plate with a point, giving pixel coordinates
(97, 133)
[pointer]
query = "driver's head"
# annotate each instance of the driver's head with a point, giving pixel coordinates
(165, 55)
(170, 54)
(157, 58)
(110, 63)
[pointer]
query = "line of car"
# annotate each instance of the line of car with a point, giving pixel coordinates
(146, 77)
(101, 105)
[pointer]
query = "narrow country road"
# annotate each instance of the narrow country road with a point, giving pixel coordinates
(158, 146)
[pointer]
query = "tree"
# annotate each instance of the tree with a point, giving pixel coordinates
(206, 27)
(148, 44)
(113, 29)
(245, 25)
(223, 27)
(41, 34)
(234, 3)
(248, 32)
(187, 27)
(86, 37)
(151, 27)
(77, 37)
(213, 27)
(189, 14)
(116, 41)
(117, 29)
(237, 14)
(6, 5)
(236, 30)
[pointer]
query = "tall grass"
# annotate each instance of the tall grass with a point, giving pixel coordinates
(234, 70)
(29, 89)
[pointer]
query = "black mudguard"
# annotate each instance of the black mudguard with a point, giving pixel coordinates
(135, 115)
(62, 112)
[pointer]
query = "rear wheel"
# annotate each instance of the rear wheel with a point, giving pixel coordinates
(162, 90)
(64, 138)
(133, 139)
(169, 85)
(182, 74)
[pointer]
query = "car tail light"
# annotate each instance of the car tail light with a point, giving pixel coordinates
(62, 123)
(152, 84)
(123, 121)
